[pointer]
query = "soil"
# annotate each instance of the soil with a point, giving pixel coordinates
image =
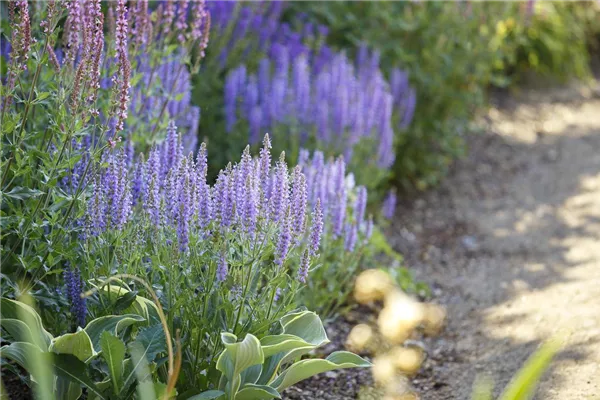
(510, 243)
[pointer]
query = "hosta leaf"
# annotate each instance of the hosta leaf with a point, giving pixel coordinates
(113, 352)
(153, 341)
(141, 371)
(19, 352)
(111, 323)
(257, 392)
(70, 367)
(18, 330)
(274, 344)
(11, 309)
(77, 344)
(306, 368)
(306, 325)
(67, 389)
(237, 357)
(141, 306)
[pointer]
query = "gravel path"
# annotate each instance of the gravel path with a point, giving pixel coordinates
(511, 244)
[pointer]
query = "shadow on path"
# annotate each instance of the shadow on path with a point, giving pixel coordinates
(511, 243)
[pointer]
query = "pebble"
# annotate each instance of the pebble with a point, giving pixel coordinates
(470, 243)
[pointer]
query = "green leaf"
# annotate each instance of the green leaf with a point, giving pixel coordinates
(523, 385)
(306, 325)
(306, 368)
(19, 352)
(208, 395)
(141, 306)
(274, 344)
(111, 323)
(238, 356)
(149, 342)
(113, 352)
(153, 341)
(11, 309)
(125, 301)
(77, 344)
(67, 389)
(22, 193)
(141, 370)
(257, 392)
(18, 330)
(70, 367)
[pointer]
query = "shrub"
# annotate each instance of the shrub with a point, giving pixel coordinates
(550, 39)
(453, 52)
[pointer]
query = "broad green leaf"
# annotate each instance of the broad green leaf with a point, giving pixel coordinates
(145, 386)
(141, 306)
(113, 352)
(111, 323)
(306, 368)
(18, 330)
(208, 395)
(523, 385)
(306, 325)
(257, 392)
(153, 341)
(149, 342)
(11, 309)
(274, 344)
(67, 389)
(251, 374)
(19, 352)
(70, 367)
(238, 356)
(242, 354)
(77, 344)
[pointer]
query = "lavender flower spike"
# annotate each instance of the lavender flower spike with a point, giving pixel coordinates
(316, 229)
(285, 239)
(360, 205)
(389, 205)
(222, 268)
(74, 285)
(304, 265)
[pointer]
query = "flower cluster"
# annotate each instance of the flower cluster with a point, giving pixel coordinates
(316, 94)
(252, 197)
(74, 286)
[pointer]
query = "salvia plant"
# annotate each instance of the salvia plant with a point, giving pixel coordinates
(233, 256)
(287, 81)
(101, 178)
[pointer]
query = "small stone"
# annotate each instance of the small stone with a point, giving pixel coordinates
(470, 243)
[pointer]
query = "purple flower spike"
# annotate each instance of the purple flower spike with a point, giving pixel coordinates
(316, 229)
(222, 268)
(298, 201)
(339, 189)
(360, 205)
(389, 205)
(304, 266)
(285, 239)
(351, 236)
(280, 193)
(74, 285)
